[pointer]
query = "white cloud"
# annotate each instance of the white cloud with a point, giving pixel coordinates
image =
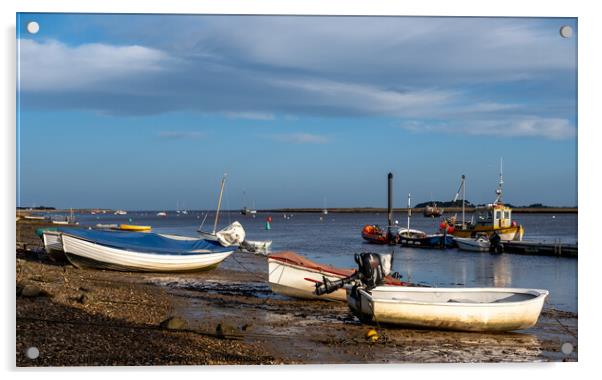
(250, 115)
(364, 98)
(467, 75)
(301, 138)
(175, 135)
(522, 126)
(54, 66)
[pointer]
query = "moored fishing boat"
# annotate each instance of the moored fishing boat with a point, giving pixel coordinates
(492, 219)
(480, 244)
(138, 251)
(293, 275)
(462, 309)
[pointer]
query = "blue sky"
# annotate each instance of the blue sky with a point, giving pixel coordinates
(140, 112)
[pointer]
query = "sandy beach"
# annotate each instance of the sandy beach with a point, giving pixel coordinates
(83, 317)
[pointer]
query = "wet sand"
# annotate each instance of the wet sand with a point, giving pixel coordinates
(230, 316)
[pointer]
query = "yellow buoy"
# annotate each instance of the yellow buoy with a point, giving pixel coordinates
(372, 334)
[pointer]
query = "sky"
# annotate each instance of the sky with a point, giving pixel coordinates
(149, 111)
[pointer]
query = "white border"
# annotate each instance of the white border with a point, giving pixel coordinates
(589, 32)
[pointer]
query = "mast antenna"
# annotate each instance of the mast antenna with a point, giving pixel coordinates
(498, 191)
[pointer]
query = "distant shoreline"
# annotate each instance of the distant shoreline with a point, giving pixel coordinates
(334, 210)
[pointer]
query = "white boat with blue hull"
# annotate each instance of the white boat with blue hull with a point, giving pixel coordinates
(136, 251)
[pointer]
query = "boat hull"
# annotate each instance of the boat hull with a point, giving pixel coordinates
(83, 253)
(53, 245)
(135, 228)
(505, 233)
(290, 280)
(472, 245)
(499, 309)
(432, 241)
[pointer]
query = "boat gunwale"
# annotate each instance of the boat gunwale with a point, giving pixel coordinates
(287, 262)
(541, 293)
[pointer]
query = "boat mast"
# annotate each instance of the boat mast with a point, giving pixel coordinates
(409, 211)
(463, 200)
(498, 191)
(219, 203)
(390, 200)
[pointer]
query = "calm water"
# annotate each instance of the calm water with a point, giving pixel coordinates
(336, 238)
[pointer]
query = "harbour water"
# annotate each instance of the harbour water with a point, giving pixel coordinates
(335, 238)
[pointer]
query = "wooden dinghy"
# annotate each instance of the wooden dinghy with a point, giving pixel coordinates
(140, 251)
(293, 275)
(462, 309)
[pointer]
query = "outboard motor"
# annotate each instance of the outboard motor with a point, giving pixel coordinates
(372, 270)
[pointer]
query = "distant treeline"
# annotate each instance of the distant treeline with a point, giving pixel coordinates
(36, 208)
(468, 204)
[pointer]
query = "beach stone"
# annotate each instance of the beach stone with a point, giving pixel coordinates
(174, 323)
(225, 330)
(31, 291)
(82, 298)
(246, 326)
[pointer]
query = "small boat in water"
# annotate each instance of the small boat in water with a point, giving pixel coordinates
(132, 227)
(139, 251)
(428, 241)
(120, 212)
(161, 213)
(462, 309)
(293, 275)
(480, 244)
(373, 233)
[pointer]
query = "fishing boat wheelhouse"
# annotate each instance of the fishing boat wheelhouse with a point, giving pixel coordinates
(493, 218)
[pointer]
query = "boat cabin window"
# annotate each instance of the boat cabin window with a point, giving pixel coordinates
(506, 214)
(498, 214)
(484, 217)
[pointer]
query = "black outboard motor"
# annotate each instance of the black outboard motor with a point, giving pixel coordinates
(372, 270)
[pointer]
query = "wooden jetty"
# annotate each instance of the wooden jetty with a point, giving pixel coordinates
(540, 248)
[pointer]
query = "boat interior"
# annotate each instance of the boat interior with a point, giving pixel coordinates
(453, 296)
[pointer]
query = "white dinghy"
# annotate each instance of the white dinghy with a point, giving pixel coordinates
(139, 251)
(462, 309)
(480, 244)
(52, 241)
(295, 276)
